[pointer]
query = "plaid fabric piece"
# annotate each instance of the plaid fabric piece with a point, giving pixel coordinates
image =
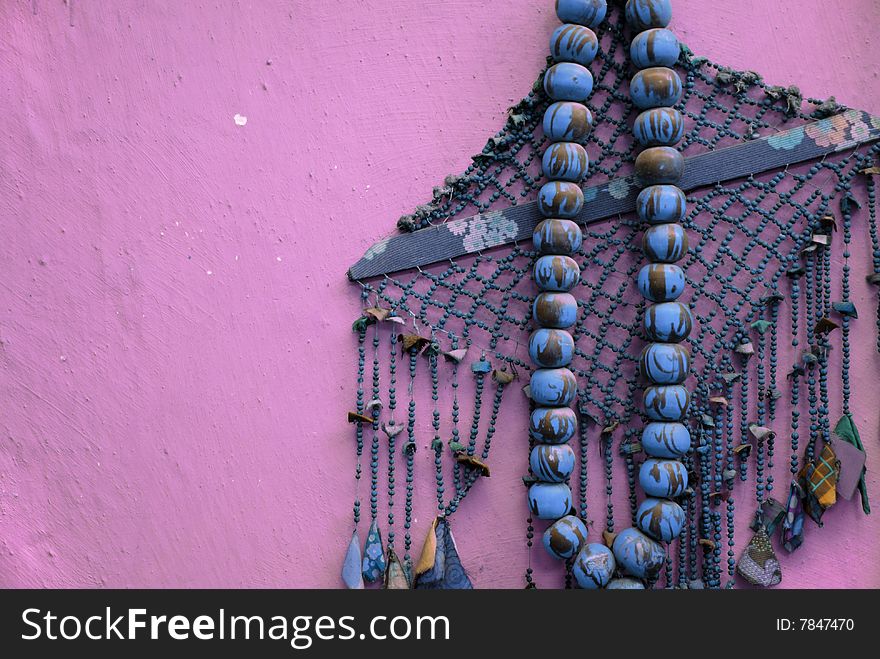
(818, 479)
(823, 480)
(811, 503)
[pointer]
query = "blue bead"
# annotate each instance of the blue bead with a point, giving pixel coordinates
(625, 583)
(567, 122)
(549, 500)
(565, 161)
(665, 363)
(666, 440)
(564, 538)
(659, 165)
(661, 519)
(557, 310)
(557, 237)
(665, 243)
(670, 322)
(666, 403)
(661, 282)
(552, 387)
(568, 81)
(552, 425)
(656, 47)
(582, 12)
(659, 127)
(556, 273)
(663, 478)
(594, 566)
(638, 555)
(661, 204)
(551, 348)
(560, 199)
(646, 14)
(481, 366)
(552, 463)
(574, 43)
(657, 87)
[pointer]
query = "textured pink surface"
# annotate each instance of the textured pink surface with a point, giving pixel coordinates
(176, 356)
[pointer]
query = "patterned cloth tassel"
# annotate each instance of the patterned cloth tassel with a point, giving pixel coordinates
(823, 482)
(439, 567)
(793, 524)
(351, 566)
(395, 575)
(758, 565)
(374, 555)
(811, 505)
(819, 481)
(771, 515)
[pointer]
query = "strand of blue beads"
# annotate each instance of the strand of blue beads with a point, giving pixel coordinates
(567, 123)
(656, 89)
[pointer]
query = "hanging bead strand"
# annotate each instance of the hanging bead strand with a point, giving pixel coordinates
(553, 388)
(352, 563)
(374, 560)
(664, 363)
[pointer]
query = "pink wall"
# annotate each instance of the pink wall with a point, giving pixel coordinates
(176, 356)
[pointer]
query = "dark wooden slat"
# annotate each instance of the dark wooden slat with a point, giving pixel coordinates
(473, 234)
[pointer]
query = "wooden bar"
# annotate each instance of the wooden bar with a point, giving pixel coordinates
(473, 234)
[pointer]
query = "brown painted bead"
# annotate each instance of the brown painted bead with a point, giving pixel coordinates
(565, 537)
(654, 47)
(567, 121)
(553, 387)
(666, 402)
(551, 348)
(560, 199)
(661, 204)
(553, 425)
(583, 12)
(565, 161)
(574, 43)
(665, 243)
(638, 554)
(657, 87)
(557, 273)
(558, 310)
(663, 478)
(668, 323)
(568, 81)
(659, 127)
(557, 237)
(645, 14)
(659, 165)
(665, 363)
(661, 519)
(661, 282)
(549, 501)
(552, 463)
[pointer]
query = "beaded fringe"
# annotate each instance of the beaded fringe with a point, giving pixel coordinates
(773, 299)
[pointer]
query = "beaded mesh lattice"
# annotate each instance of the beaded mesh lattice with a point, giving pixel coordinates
(757, 276)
